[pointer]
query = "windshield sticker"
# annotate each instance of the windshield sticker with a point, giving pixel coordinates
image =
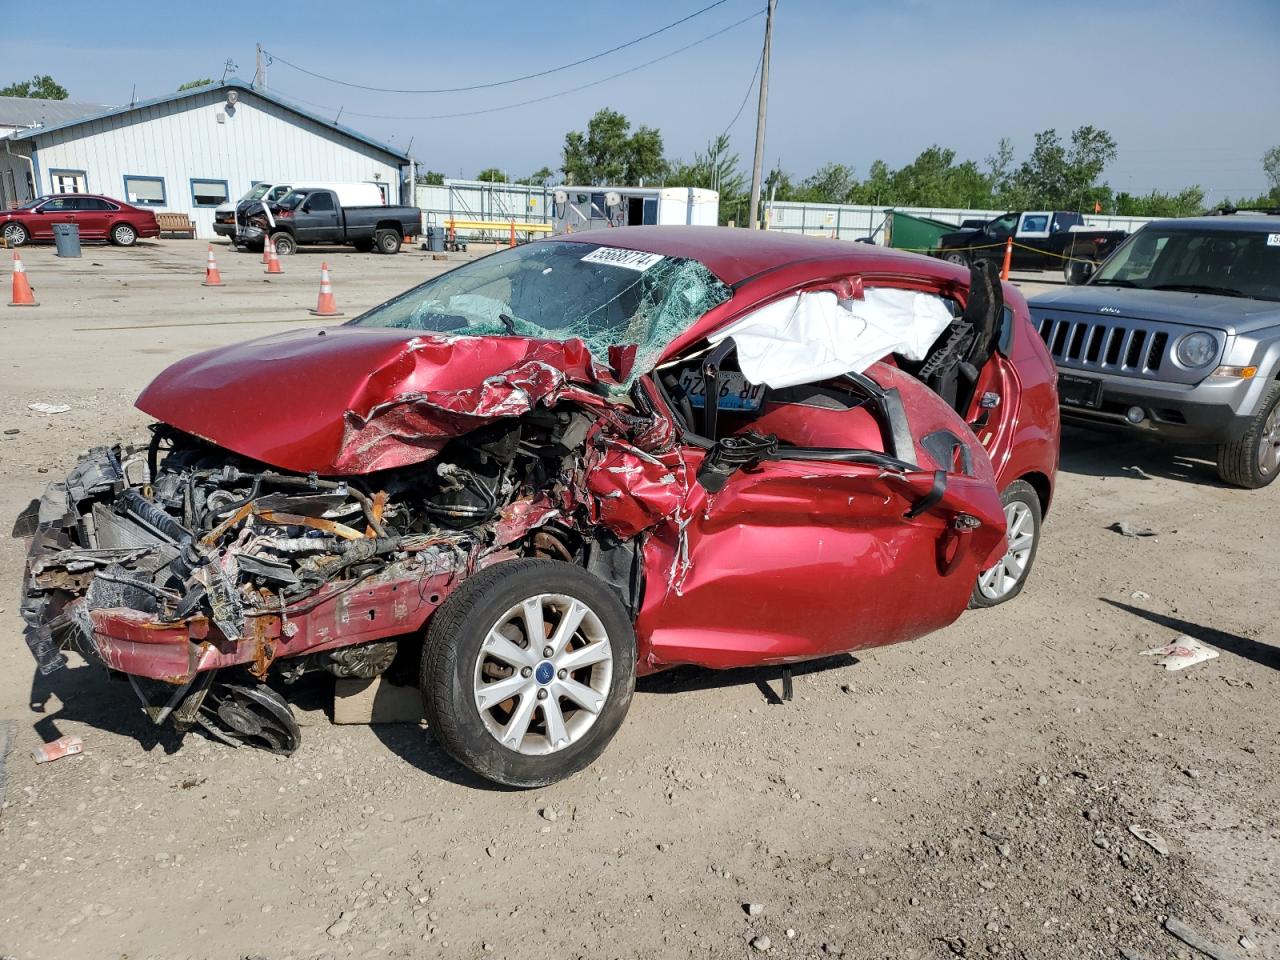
(636, 260)
(1273, 239)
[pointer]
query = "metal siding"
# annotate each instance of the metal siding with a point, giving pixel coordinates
(856, 221)
(182, 140)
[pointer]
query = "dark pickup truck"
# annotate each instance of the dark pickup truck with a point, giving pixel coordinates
(317, 216)
(1042, 239)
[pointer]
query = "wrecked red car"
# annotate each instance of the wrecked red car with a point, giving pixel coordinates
(552, 469)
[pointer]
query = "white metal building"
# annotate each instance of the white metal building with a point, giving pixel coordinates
(190, 151)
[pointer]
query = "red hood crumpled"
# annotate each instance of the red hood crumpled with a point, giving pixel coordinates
(347, 400)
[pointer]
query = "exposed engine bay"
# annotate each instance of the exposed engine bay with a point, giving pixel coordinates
(245, 558)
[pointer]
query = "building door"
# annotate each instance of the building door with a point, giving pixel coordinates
(67, 181)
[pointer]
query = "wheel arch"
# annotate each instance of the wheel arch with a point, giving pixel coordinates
(1043, 487)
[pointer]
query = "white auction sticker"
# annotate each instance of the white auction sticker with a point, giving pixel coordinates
(617, 257)
(1273, 239)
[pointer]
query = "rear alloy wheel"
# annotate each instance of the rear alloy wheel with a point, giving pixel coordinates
(1253, 461)
(123, 235)
(284, 243)
(528, 671)
(16, 235)
(957, 258)
(1022, 518)
(387, 241)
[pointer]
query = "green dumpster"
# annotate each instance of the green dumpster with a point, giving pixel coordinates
(916, 233)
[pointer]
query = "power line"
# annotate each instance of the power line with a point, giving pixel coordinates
(500, 83)
(746, 96)
(549, 96)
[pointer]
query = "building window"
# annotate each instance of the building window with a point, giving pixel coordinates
(148, 191)
(209, 193)
(67, 181)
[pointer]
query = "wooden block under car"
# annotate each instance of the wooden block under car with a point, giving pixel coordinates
(375, 701)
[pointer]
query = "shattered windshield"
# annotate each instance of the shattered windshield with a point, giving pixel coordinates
(556, 290)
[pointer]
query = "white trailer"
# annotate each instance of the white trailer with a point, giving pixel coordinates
(575, 209)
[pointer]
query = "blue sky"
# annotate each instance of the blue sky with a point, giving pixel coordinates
(1189, 90)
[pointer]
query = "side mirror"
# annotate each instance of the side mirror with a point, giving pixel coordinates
(1078, 271)
(733, 453)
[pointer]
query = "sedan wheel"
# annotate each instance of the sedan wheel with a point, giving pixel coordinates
(16, 235)
(1006, 579)
(123, 235)
(528, 670)
(544, 695)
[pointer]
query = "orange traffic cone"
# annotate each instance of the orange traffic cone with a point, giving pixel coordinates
(1008, 259)
(273, 263)
(268, 248)
(22, 296)
(211, 276)
(326, 306)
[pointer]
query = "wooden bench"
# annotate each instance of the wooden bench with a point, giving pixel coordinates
(176, 224)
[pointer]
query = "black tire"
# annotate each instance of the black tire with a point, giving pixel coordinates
(284, 243)
(363, 246)
(957, 257)
(124, 235)
(388, 241)
(1253, 461)
(453, 656)
(1020, 500)
(16, 235)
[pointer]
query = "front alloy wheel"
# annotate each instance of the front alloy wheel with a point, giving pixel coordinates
(528, 670)
(1006, 579)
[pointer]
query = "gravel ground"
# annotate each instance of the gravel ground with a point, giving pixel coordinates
(966, 795)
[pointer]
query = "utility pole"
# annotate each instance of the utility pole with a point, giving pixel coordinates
(754, 212)
(260, 73)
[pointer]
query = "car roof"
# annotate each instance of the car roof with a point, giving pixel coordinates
(736, 255)
(1232, 222)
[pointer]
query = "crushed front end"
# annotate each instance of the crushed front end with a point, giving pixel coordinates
(181, 560)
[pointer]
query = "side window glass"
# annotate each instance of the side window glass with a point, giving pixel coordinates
(320, 202)
(1002, 228)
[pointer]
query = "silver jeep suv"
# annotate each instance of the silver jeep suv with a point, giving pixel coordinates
(1177, 334)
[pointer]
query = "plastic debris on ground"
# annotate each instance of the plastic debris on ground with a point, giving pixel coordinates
(1150, 838)
(1126, 529)
(1181, 653)
(67, 746)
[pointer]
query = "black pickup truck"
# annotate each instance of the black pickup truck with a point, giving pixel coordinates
(317, 216)
(1042, 239)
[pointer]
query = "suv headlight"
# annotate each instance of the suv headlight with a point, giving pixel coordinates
(1197, 350)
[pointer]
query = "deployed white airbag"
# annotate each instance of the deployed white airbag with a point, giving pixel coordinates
(813, 336)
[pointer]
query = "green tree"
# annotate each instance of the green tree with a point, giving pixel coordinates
(491, 175)
(778, 185)
(830, 183)
(43, 87)
(431, 178)
(1055, 176)
(1271, 167)
(1186, 203)
(540, 177)
(718, 168)
(610, 153)
(192, 84)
